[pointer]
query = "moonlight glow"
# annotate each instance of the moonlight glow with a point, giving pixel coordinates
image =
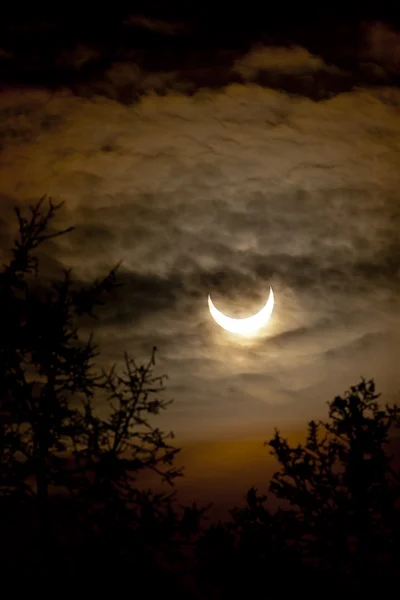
(245, 326)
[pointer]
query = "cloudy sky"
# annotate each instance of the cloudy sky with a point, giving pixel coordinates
(271, 166)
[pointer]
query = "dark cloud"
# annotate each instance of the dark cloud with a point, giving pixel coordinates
(140, 296)
(126, 56)
(381, 47)
(157, 25)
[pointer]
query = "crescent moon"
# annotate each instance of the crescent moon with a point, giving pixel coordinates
(243, 326)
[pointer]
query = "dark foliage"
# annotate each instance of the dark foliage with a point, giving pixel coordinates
(69, 475)
(340, 524)
(72, 507)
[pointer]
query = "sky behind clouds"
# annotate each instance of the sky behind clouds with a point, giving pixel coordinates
(228, 191)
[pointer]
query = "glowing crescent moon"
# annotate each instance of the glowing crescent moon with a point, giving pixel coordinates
(243, 326)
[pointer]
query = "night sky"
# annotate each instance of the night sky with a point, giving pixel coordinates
(220, 153)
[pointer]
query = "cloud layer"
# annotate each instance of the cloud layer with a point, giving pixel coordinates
(227, 192)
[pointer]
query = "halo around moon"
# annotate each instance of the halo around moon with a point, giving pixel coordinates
(245, 326)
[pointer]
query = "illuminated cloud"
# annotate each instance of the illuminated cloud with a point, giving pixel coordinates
(227, 192)
(294, 60)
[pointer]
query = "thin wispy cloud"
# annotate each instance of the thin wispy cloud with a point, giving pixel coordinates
(227, 192)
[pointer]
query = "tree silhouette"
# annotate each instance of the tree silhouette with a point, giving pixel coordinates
(52, 435)
(340, 521)
(343, 485)
(110, 453)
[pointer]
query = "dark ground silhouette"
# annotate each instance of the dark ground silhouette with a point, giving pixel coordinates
(72, 511)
